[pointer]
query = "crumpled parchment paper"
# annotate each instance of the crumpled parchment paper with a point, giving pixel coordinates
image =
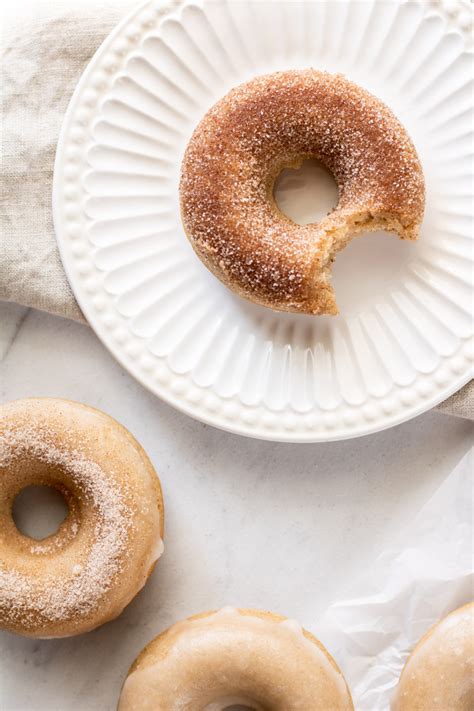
(420, 578)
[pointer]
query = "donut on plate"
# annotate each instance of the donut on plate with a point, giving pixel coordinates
(439, 673)
(102, 554)
(220, 659)
(273, 122)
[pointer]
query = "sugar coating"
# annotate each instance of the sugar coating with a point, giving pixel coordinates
(51, 597)
(277, 121)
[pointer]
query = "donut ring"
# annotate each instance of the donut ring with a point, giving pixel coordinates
(217, 659)
(277, 121)
(105, 549)
(439, 673)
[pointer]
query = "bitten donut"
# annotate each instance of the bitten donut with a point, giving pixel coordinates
(212, 661)
(276, 121)
(105, 549)
(439, 673)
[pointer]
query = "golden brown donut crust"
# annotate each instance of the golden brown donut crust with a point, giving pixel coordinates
(439, 673)
(90, 569)
(277, 121)
(309, 667)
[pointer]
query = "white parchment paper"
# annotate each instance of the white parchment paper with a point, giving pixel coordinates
(421, 577)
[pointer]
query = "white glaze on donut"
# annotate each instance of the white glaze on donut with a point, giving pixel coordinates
(439, 674)
(235, 656)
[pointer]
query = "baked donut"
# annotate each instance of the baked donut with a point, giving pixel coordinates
(219, 659)
(276, 121)
(103, 552)
(439, 673)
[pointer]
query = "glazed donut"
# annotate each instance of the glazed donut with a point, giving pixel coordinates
(103, 552)
(277, 121)
(219, 659)
(439, 673)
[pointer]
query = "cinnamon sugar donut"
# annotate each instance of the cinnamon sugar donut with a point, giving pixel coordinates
(439, 673)
(212, 661)
(277, 121)
(104, 551)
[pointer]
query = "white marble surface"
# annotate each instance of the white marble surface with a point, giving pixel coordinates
(257, 524)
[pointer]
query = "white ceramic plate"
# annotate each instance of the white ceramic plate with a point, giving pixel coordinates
(403, 341)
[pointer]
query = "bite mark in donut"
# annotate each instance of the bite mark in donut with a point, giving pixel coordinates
(277, 121)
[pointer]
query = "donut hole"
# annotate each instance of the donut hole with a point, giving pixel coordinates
(306, 194)
(235, 703)
(38, 511)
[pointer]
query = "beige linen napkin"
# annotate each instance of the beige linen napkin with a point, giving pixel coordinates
(45, 47)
